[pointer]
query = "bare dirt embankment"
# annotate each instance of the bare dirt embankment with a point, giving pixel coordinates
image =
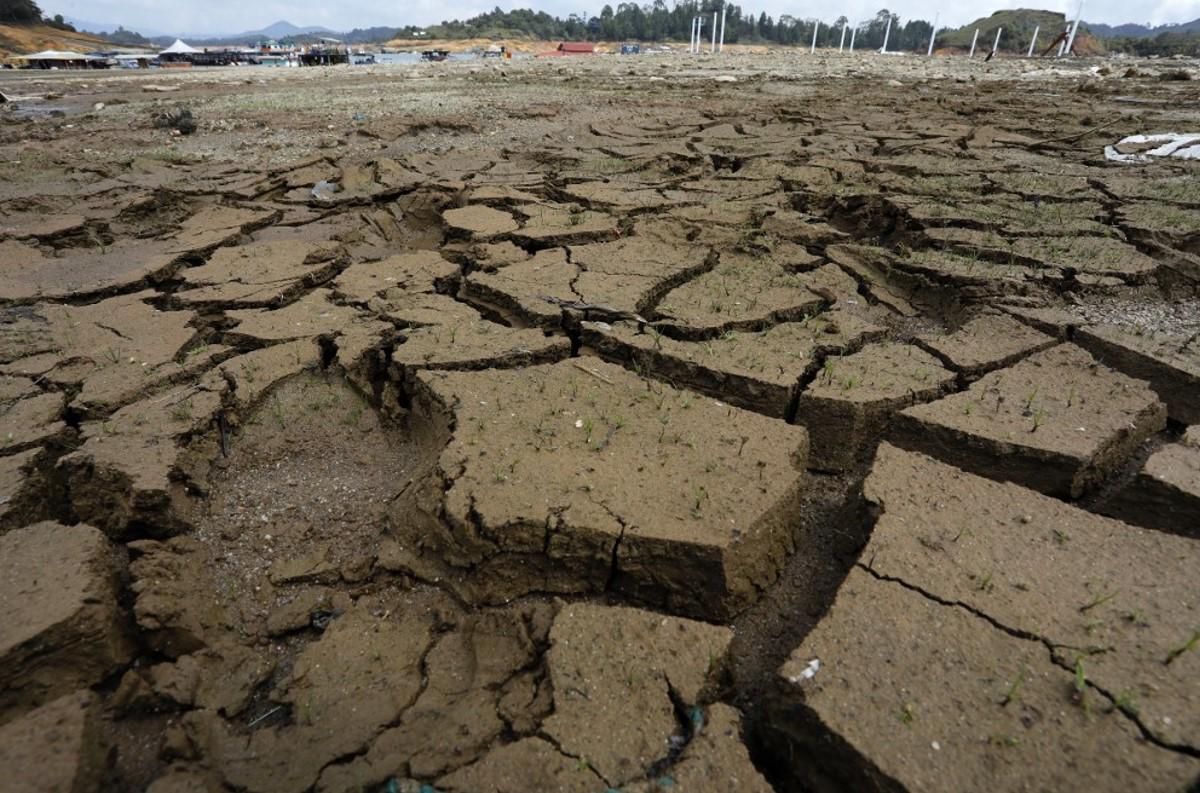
(22, 40)
(752, 423)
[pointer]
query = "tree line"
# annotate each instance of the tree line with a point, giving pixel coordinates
(27, 12)
(658, 22)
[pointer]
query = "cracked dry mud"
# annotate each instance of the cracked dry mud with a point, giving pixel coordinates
(679, 435)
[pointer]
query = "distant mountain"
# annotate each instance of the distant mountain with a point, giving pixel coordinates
(278, 30)
(1142, 31)
(283, 29)
(109, 27)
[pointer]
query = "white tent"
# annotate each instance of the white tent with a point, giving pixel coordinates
(179, 48)
(58, 55)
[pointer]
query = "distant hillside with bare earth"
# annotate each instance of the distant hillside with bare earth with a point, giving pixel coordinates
(22, 40)
(1019, 25)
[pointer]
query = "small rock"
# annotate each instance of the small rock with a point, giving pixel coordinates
(895, 84)
(98, 106)
(725, 78)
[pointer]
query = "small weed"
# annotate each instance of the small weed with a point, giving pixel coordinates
(1190, 644)
(1138, 618)
(1039, 416)
(1126, 703)
(1011, 694)
(1060, 536)
(984, 583)
(1079, 693)
(905, 714)
(182, 412)
(1099, 600)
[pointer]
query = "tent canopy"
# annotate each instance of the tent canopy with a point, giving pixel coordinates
(57, 55)
(179, 48)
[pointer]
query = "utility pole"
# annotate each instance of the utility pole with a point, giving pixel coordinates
(974, 41)
(1074, 29)
(886, 34)
(816, 27)
(932, 34)
(1037, 29)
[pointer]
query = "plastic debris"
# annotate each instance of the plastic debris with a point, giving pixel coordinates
(1182, 146)
(809, 672)
(323, 190)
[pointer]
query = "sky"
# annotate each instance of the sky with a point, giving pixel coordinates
(232, 16)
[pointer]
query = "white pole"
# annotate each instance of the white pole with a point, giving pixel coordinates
(996, 44)
(1037, 29)
(974, 41)
(695, 28)
(816, 27)
(886, 33)
(853, 33)
(1074, 29)
(842, 43)
(721, 43)
(932, 34)
(712, 47)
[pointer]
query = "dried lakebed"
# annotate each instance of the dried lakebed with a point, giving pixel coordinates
(591, 432)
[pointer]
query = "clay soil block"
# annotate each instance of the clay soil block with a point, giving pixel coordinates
(580, 476)
(1171, 364)
(63, 628)
(850, 402)
(759, 371)
(58, 747)
(1058, 422)
(986, 342)
(1001, 641)
(1165, 494)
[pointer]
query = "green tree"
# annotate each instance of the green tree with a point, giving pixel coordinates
(20, 12)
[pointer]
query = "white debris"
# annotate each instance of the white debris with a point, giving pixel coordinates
(1181, 146)
(810, 671)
